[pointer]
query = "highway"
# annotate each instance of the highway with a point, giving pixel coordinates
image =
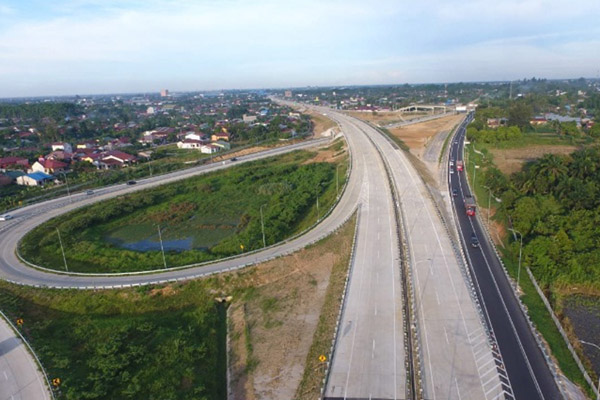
(457, 356)
(20, 378)
(525, 363)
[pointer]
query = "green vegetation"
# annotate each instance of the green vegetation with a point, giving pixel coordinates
(146, 343)
(218, 212)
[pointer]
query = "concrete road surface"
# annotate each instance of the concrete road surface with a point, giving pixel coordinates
(456, 357)
(20, 378)
(369, 353)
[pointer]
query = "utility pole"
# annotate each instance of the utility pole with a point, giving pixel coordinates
(520, 253)
(162, 249)
(62, 249)
(262, 225)
(317, 204)
(598, 348)
(68, 190)
(337, 180)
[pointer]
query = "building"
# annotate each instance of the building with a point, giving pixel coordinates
(14, 162)
(49, 166)
(249, 118)
(119, 156)
(164, 93)
(287, 93)
(209, 149)
(190, 144)
(222, 144)
(34, 179)
(220, 136)
(538, 121)
(62, 146)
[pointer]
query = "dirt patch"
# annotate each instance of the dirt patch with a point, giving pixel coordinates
(321, 123)
(164, 291)
(328, 154)
(511, 160)
(417, 136)
(384, 118)
(272, 326)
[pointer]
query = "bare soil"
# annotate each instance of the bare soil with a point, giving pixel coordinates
(383, 118)
(511, 160)
(321, 123)
(272, 326)
(417, 136)
(329, 155)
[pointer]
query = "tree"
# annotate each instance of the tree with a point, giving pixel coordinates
(519, 114)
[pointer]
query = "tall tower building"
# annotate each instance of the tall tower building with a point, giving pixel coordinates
(164, 93)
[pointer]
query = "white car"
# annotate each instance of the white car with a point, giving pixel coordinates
(5, 217)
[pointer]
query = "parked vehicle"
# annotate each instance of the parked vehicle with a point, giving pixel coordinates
(131, 182)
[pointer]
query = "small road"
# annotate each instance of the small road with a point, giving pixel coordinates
(417, 120)
(525, 363)
(20, 378)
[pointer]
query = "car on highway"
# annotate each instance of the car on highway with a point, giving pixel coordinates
(5, 217)
(451, 163)
(454, 192)
(474, 240)
(89, 192)
(131, 182)
(233, 159)
(451, 170)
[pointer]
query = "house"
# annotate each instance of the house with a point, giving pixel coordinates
(122, 158)
(18, 162)
(538, 121)
(34, 179)
(59, 155)
(220, 136)
(197, 136)
(13, 175)
(90, 144)
(190, 144)
(222, 144)
(62, 146)
(494, 123)
(108, 163)
(209, 149)
(49, 166)
(248, 119)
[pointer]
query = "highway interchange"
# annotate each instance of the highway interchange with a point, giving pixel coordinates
(456, 350)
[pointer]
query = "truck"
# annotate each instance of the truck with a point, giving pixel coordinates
(470, 206)
(459, 165)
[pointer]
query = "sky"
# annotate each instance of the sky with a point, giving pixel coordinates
(65, 47)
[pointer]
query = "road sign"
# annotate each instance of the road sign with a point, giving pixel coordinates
(322, 358)
(20, 321)
(56, 382)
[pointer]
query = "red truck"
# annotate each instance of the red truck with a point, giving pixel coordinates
(459, 165)
(470, 206)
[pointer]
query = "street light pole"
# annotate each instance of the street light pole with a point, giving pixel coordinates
(337, 181)
(520, 253)
(262, 225)
(597, 347)
(162, 249)
(62, 249)
(67, 182)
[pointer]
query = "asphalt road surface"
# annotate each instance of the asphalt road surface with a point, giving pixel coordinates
(20, 378)
(527, 368)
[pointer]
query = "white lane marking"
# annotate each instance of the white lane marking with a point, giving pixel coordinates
(5, 376)
(437, 298)
(446, 335)
(373, 350)
(378, 235)
(375, 309)
(457, 391)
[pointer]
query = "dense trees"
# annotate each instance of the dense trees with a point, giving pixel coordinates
(555, 202)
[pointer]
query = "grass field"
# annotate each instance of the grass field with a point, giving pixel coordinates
(218, 213)
(145, 343)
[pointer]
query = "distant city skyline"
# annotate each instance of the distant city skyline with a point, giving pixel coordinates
(72, 47)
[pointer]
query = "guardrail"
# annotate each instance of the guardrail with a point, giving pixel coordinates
(30, 349)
